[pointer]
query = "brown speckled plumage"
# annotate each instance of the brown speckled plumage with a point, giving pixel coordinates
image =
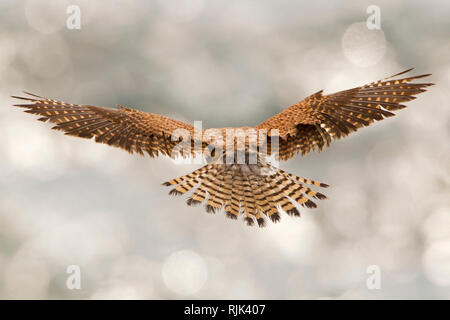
(256, 191)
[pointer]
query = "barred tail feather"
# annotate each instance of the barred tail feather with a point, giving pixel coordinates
(255, 192)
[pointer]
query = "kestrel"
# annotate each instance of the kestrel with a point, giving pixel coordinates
(248, 185)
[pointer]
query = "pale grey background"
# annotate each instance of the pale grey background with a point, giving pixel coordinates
(67, 201)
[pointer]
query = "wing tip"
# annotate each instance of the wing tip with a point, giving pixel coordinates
(32, 94)
(400, 73)
(410, 78)
(30, 98)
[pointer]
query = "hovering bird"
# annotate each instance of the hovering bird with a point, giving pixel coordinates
(248, 185)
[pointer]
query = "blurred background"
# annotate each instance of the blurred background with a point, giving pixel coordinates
(68, 201)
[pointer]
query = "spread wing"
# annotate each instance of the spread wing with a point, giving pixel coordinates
(317, 120)
(129, 129)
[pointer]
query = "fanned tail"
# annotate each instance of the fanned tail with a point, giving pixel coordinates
(255, 192)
